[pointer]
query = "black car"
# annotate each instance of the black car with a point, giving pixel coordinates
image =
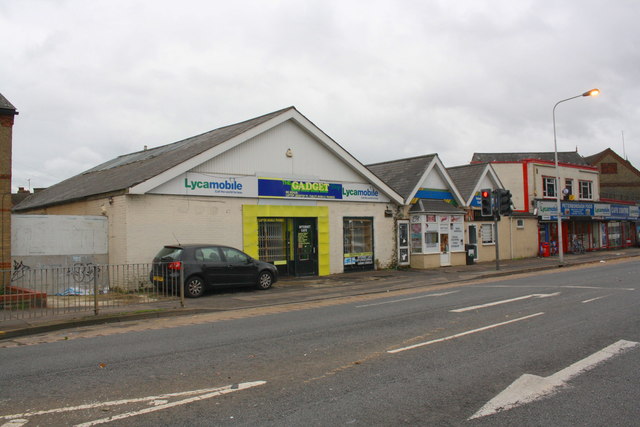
(208, 265)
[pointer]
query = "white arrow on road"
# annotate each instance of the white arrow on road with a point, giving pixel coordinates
(491, 304)
(158, 403)
(529, 388)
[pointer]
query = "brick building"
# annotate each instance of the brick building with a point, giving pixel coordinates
(619, 180)
(7, 113)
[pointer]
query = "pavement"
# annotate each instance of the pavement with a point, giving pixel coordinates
(296, 290)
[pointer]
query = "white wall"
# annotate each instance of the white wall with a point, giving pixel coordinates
(58, 235)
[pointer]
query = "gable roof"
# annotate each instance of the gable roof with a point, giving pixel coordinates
(142, 171)
(571, 157)
(595, 159)
(468, 177)
(6, 108)
(406, 175)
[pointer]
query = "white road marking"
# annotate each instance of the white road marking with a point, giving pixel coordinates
(18, 422)
(595, 299)
(529, 388)
(491, 304)
(596, 287)
(153, 400)
(406, 299)
(461, 334)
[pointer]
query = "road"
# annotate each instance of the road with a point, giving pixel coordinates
(552, 348)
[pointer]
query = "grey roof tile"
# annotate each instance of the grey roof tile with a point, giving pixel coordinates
(571, 157)
(6, 105)
(466, 177)
(402, 175)
(435, 206)
(128, 170)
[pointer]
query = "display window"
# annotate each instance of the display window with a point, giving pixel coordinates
(358, 244)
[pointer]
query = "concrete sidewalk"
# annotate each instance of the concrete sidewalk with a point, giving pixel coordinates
(295, 290)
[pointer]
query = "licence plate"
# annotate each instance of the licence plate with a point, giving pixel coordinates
(158, 278)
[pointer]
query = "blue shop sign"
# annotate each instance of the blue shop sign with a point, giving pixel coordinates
(286, 188)
(577, 209)
(548, 210)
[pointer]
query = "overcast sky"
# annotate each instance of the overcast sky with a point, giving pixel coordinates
(95, 79)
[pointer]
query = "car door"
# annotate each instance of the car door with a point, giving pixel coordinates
(240, 268)
(214, 268)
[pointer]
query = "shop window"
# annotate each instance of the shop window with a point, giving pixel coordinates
(272, 244)
(608, 168)
(416, 237)
(431, 240)
(358, 243)
(585, 190)
(549, 186)
(486, 231)
(614, 234)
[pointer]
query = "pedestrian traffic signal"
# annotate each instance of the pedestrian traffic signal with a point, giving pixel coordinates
(486, 203)
(503, 200)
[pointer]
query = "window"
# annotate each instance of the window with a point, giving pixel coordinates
(568, 186)
(358, 236)
(358, 244)
(520, 223)
(487, 234)
(416, 237)
(608, 168)
(585, 190)
(234, 256)
(272, 242)
(549, 186)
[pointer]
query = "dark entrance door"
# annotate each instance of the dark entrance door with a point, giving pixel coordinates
(305, 247)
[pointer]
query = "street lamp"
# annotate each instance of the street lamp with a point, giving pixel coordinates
(592, 92)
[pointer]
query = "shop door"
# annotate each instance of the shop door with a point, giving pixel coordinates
(306, 248)
(403, 242)
(445, 255)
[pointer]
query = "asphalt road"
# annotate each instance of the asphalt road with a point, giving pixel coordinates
(430, 356)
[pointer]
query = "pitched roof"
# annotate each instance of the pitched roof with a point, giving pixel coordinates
(571, 157)
(402, 175)
(466, 177)
(594, 159)
(128, 170)
(435, 206)
(5, 106)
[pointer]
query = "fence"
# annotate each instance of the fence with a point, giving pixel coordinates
(40, 292)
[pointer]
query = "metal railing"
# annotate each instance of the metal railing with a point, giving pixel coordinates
(27, 292)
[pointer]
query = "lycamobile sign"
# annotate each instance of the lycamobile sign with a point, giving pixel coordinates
(366, 193)
(216, 185)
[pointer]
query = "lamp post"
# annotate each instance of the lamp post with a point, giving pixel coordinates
(592, 92)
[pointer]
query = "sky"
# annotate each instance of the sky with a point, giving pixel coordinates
(95, 79)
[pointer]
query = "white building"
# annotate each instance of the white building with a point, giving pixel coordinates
(275, 186)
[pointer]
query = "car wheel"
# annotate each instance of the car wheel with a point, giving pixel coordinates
(194, 287)
(265, 280)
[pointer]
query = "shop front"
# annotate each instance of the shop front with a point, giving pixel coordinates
(436, 234)
(587, 225)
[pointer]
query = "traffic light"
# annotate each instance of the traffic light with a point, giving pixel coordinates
(503, 200)
(486, 204)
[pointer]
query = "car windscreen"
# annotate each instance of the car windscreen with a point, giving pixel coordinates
(169, 253)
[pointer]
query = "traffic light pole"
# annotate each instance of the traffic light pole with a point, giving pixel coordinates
(495, 227)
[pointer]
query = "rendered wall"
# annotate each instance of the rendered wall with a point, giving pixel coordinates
(43, 241)
(514, 242)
